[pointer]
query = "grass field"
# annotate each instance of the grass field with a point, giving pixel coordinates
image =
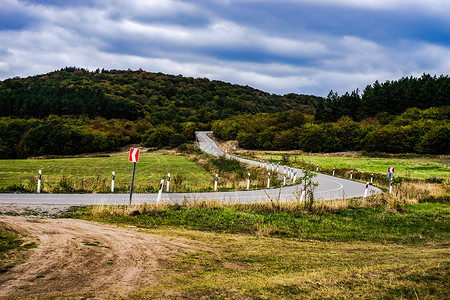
(421, 168)
(240, 253)
(86, 172)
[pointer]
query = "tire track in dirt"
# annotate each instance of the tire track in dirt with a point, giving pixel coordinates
(80, 259)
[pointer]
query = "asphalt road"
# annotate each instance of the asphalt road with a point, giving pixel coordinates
(329, 188)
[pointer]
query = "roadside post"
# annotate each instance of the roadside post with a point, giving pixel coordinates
(161, 185)
(248, 181)
(303, 194)
(39, 182)
(113, 177)
(295, 176)
(371, 179)
(391, 171)
(365, 191)
(317, 168)
(351, 175)
(134, 158)
(284, 178)
(168, 182)
(215, 182)
(334, 170)
(268, 180)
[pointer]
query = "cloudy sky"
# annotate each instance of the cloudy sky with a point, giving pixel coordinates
(279, 46)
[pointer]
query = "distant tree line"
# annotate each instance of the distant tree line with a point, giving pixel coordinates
(21, 138)
(391, 97)
(422, 131)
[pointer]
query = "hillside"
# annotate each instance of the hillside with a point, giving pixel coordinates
(155, 97)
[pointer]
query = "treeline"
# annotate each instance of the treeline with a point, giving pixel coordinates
(55, 135)
(21, 138)
(422, 131)
(391, 97)
(155, 97)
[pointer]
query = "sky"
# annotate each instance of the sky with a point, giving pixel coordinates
(278, 46)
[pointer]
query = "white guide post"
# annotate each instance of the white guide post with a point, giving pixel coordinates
(268, 180)
(215, 182)
(303, 194)
(366, 190)
(334, 170)
(168, 182)
(113, 177)
(39, 182)
(248, 181)
(351, 174)
(161, 185)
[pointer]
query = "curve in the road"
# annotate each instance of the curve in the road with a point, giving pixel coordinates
(329, 188)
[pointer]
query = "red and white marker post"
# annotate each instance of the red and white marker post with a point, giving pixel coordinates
(366, 190)
(134, 158)
(391, 171)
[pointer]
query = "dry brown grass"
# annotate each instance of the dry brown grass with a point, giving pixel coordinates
(405, 193)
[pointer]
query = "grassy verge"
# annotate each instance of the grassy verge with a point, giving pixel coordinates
(417, 223)
(281, 250)
(416, 168)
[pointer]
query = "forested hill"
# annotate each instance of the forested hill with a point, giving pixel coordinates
(390, 97)
(132, 95)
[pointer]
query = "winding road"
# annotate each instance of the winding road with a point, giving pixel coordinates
(329, 188)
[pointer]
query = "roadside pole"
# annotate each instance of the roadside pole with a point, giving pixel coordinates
(215, 183)
(112, 181)
(168, 182)
(366, 190)
(268, 180)
(248, 181)
(132, 182)
(161, 185)
(390, 176)
(134, 158)
(39, 182)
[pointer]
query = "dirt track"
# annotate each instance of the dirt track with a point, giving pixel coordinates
(81, 259)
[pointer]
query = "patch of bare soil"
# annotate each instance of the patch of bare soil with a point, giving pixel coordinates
(80, 259)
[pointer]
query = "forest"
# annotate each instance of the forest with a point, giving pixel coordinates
(73, 111)
(424, 131)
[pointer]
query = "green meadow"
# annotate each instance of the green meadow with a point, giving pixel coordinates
(420, 168)
(97, 171)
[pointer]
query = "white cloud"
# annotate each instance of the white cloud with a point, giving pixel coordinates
(94, 37)
(435, 7)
